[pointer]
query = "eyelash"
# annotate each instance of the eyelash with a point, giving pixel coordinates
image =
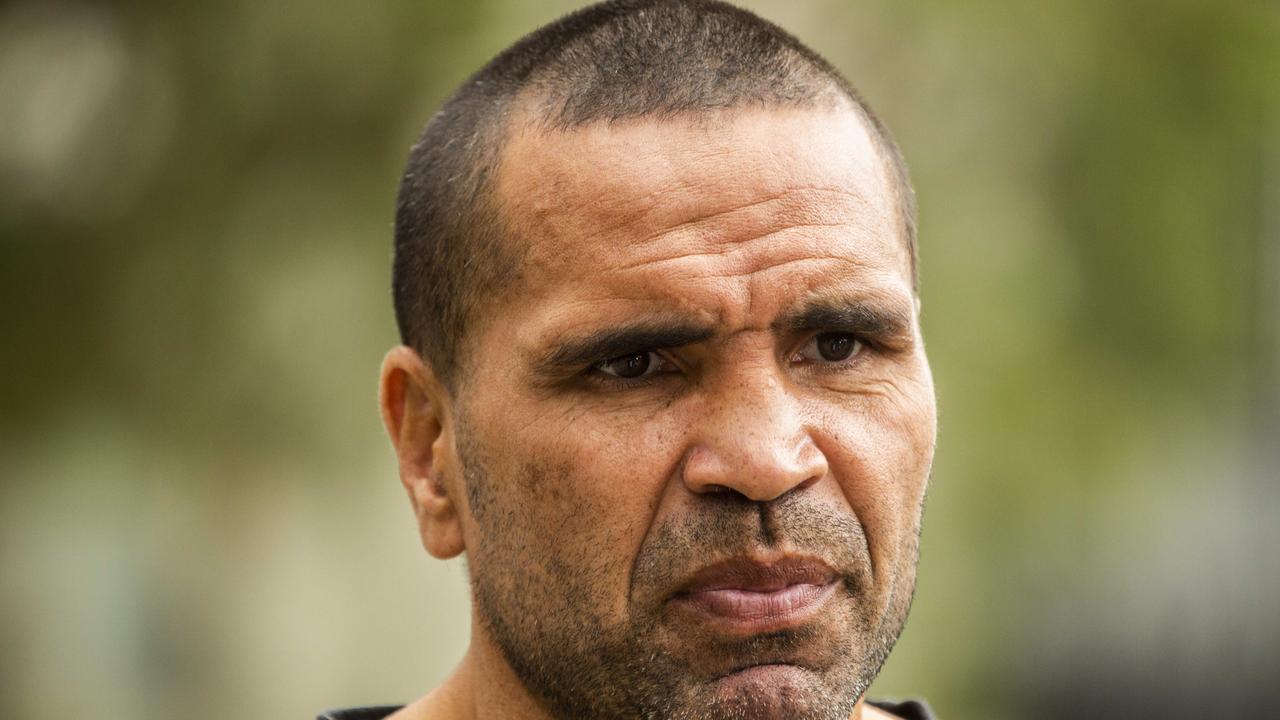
(618, 382)
(862, 348)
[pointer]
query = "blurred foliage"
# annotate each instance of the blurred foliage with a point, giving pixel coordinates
(198, 513)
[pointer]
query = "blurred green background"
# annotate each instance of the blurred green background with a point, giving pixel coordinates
(200, 518)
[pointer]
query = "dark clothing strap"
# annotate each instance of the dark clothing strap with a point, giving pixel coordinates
(909, 710)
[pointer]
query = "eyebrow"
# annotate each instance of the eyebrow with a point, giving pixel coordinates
(875, 320)
(574, 353)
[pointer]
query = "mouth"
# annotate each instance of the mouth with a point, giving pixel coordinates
(746, 596)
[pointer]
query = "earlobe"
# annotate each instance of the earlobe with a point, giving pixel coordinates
(416, 414)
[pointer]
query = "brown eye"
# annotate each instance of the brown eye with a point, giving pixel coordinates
(628, 366)
(831, 347)
(834, 348)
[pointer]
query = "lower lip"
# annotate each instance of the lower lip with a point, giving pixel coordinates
(754, 611)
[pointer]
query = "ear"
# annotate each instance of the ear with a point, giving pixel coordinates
(417, 415)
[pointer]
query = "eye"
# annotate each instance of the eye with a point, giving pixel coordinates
(832, 347)
(632, 365)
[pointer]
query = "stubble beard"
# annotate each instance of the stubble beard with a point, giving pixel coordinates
(542, 606)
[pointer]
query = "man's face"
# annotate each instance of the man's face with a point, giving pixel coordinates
(695, 435)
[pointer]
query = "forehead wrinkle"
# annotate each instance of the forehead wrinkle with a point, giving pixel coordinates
(588, 198)
(727, 248)
(747, 301)
(632, 173)
(729, 273)
(568, 203)
(744, 234)
(796, 213)
(732, 308)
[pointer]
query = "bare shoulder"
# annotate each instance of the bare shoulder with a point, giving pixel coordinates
(434, 706)
(407, 712)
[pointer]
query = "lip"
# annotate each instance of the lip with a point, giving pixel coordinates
(752, 596)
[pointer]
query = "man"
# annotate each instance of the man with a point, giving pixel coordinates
(662, 377)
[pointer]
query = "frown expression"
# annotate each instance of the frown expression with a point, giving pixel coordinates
(694, 434)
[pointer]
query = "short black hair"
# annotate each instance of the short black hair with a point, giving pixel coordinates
(610, 61)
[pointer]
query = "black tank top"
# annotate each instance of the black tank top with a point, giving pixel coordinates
(909, 710)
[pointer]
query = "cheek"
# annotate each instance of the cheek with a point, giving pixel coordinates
(614, 470)
(573, 503)
(880, 449)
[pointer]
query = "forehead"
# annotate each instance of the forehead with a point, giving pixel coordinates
(631, 209)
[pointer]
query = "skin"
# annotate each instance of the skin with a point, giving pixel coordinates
(584, 500)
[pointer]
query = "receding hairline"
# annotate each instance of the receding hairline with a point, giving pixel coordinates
(609, 62)
(528, 112)
(526, 117)
(526, 122)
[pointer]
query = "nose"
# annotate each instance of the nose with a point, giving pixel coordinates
(753, 441)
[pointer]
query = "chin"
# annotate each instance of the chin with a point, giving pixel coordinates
(771, 680)
(775, 691)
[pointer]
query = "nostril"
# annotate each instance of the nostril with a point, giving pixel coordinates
(808, 482)
(758, 467)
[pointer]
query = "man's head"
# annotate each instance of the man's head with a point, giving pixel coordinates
(455, 247)
(684, 433)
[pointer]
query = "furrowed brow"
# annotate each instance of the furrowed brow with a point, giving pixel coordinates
(871, 319)
(573, 353)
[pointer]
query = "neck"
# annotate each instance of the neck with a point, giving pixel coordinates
(482, 687)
